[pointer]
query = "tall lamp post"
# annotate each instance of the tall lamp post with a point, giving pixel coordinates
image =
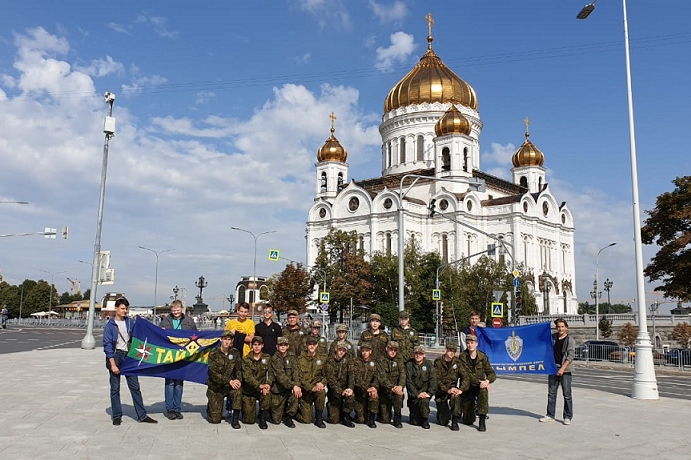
(597, 286)
(254, 270)
(156, 275)
(608, 287)
(89, 342)
(644, 380)
(50, 297)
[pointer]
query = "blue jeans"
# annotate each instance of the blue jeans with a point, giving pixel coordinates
(173, 395)
(553, 385)
(133, 385)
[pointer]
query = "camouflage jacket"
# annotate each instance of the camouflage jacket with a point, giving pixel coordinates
(478, 369)
(255, 373)
(223, 368)
(311, 370)
(283, 368)
(449, 373)
(322, 348)
(391, 372)
(340, 374)
(420, 378)
(296, 337)
(366, 374)
(378, 343)
(407, 340)
(351, 348)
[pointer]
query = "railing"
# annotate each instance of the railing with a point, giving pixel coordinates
(55, 322)
(616, 318)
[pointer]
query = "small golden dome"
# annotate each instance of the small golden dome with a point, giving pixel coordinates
(430, 81)
(528, 154)
(452, 122)
(332, 150)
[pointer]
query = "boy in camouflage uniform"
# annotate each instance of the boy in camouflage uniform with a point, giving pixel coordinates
(340, 378)
(322, 349)
(421, 384)
(366, 384)
(312, 377)
(225, 372)
(449, 371)
(391, 385)
(406, 337)
(285, 391)
(296, 334)
(481, 375)
(376, 337)
(257, 380)
(341, 331)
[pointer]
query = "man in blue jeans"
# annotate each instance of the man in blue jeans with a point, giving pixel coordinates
(173, 387)
(564, 352)
(116, 342)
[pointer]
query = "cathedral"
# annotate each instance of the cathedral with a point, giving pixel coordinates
(431, 128)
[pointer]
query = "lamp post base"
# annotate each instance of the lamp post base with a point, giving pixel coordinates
(644, 381)
(88, 342)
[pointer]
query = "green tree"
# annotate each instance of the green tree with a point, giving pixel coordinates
(605, 326)
(290, 289)
(669, 226)
(628, 334)
(682, 334)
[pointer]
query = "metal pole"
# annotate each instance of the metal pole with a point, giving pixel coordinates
(597, 286)
(155, 273)
(254, 271)
(89, 342)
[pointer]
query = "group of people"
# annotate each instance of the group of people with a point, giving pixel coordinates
(292, 373)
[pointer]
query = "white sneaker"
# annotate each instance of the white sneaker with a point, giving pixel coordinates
(567, 421)
(547, 419)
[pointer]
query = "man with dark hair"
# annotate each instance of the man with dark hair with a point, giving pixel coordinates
(117, 336)
(564, 353)
(173, 387)
(481, 374)
(375, 336)
(225, 372)
(474, 320)
(269, 330)
(242, 325)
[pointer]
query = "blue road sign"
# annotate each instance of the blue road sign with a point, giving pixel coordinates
(325, 306)
(324, 297)
(436, 294)
(497, 310)
(274, 254)
(515, 282)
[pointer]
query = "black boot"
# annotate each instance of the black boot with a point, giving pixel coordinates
(482, 426)
(370, 420)
(261, 420)
(454, 424)
(397, 420)
(425, 424)
(235, 421)
(345, 421)
(319, 419)
(288, 421)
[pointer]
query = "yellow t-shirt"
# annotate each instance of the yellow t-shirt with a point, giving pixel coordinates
(245, 327)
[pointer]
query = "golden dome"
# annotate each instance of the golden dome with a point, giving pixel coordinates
(430, 81)
(452, 122)
(528, 154)
(332, 150)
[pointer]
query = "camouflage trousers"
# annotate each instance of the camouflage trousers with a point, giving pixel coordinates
(447, 407)
(249, 406)
(309, 399)
(214, 405)
(469, 396)
(338, 403)
(389, 400)
(419, 409)
(283, 403)
(364, 404)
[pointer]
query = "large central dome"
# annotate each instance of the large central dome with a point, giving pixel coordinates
(430, 81)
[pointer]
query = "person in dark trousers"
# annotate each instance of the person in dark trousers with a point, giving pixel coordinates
(564, 353)
(269, 330)
(116, 343)
(173, 387)
(481, 374)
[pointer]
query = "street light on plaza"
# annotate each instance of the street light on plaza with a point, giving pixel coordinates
(608, 287)
(50, 297)
(596, 286)
(157, 253)
(254, 270)
(644, 381)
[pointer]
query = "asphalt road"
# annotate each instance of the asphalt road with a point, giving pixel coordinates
(13, 340)
(616, 381)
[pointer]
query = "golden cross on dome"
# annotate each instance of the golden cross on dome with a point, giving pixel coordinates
(430, 21)
(527, 124)
(333, 119)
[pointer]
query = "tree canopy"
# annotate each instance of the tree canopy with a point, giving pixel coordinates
(669, 226)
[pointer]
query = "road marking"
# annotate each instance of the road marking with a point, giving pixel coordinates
(58, 345)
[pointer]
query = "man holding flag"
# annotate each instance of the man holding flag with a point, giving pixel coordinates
(564, 352)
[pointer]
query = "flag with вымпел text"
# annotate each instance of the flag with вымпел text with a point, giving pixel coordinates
(170, 353)
(519, 350)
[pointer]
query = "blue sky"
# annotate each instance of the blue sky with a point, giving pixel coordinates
(221, 107)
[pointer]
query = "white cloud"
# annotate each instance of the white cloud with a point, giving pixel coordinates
(204, 96)
(118, 28)
(402, 45)
(499, 154)
(304, 59)
(395, 12)
(103, 67)
(329, 13)
(137, 85)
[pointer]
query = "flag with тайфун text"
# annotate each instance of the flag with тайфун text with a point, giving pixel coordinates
(519, 350)
(170, 353)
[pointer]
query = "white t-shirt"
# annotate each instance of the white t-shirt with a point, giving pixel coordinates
(123, 336)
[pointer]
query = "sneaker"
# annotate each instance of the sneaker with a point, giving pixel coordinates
(567, 421)
(547, 419)
(178, 415)
(148, 420)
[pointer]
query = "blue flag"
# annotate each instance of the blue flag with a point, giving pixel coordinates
(519, 350)
(175, 354)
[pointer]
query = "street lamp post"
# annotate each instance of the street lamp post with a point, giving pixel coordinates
(644, 380)
(254, 270)
(89, 342)
(608, 287)
(156, 275)
(50, 297)
(596, 285)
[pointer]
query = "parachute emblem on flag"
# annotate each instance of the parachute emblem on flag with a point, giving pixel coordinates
(193, 343)
(514, 346)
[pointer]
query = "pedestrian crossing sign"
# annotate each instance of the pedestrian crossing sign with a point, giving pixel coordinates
(497, 310)
(324, 297)
(274, 254)
(436, 294)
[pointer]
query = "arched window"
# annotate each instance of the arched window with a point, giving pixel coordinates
(340, 182)
(388, 244)
(445, 248)
(420, 148)
(445, 159)
(241, 294)
(539, 184)
(323, 183)
(524, 182)
(388, 155)
(401, 150)
(465, 159)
